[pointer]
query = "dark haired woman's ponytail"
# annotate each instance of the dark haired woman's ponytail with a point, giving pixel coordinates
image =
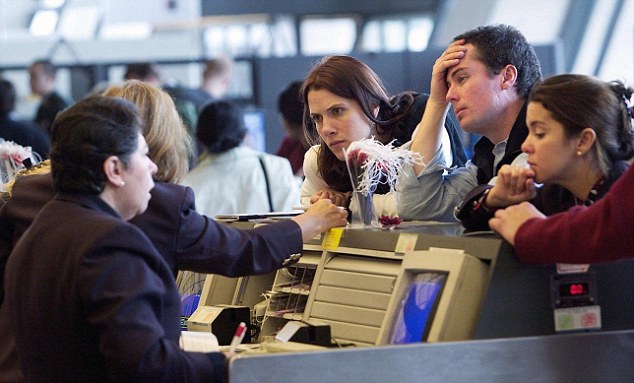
(626, 134)
(392, 115)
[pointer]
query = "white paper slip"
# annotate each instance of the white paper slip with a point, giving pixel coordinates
(196, 341)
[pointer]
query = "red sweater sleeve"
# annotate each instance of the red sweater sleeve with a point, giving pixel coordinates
(601, 232)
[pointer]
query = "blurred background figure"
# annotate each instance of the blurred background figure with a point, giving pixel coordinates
(42, 81)
(217, 77)
(232, 178)
(150, 73)
(144, 71)
(22, 133)
(294, 143)
(184, 98)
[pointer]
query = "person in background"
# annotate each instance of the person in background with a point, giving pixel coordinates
(486, 74)
(21, 133)
(579, 141)
(187, 107)
(294, 144)
(150, 73)
(346, 101)
(143, 71)
(185, 239)
(232, 178)
(101, 264)
(42, 80)
(217, 77)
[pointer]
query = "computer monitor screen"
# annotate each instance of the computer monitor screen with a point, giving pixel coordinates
(254, 121)
(417, 308)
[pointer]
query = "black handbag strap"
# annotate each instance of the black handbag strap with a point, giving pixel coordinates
(268, 186)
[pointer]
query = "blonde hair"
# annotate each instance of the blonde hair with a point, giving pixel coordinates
(169, 143)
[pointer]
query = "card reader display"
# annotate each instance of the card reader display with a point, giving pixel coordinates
(574, 302)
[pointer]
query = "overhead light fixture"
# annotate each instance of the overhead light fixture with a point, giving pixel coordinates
(51, 4)
(44, 22)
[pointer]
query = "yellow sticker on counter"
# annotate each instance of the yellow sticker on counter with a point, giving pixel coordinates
(332, 238)
(406, 242)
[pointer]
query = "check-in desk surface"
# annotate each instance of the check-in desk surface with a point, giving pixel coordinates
(514, 338)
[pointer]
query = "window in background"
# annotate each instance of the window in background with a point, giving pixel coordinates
(125, 31)
(260, 39)
(394, 34)
(236, 40)
(284, 37)
(397, 34)
(319, 36)
(598, 27)
(241, 86)
(618, 63)
(420, 29)
(214, 40)
(372, 40)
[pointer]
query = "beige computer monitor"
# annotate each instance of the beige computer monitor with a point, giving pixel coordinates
(437, 297)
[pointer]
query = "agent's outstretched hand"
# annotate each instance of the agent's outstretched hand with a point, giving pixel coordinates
(321, 216)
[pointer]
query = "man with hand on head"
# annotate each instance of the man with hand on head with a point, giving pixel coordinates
(486, 74)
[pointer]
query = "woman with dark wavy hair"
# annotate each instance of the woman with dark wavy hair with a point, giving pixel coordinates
(346, 101)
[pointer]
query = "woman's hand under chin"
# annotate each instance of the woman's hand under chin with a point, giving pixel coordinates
(514, 185)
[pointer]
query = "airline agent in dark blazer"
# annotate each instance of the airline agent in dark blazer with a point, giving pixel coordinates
(185, 239)
(95, 279)
(89, 298)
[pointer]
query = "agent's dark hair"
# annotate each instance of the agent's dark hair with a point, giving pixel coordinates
(220, 126)
(290, 104)
(501, 45)
(580, 101)
(350, 78)
(7, 97)
(84, 135)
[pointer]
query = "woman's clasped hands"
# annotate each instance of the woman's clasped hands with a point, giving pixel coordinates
(514, 184)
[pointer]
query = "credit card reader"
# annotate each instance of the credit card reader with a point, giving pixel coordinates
(574, 302)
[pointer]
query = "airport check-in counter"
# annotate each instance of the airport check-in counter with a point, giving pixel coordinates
(512, 337)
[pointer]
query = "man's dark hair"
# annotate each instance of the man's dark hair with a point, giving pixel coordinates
(220, 126)
(501, 45)
(290, 104)
(7, 97)
(84, 135)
